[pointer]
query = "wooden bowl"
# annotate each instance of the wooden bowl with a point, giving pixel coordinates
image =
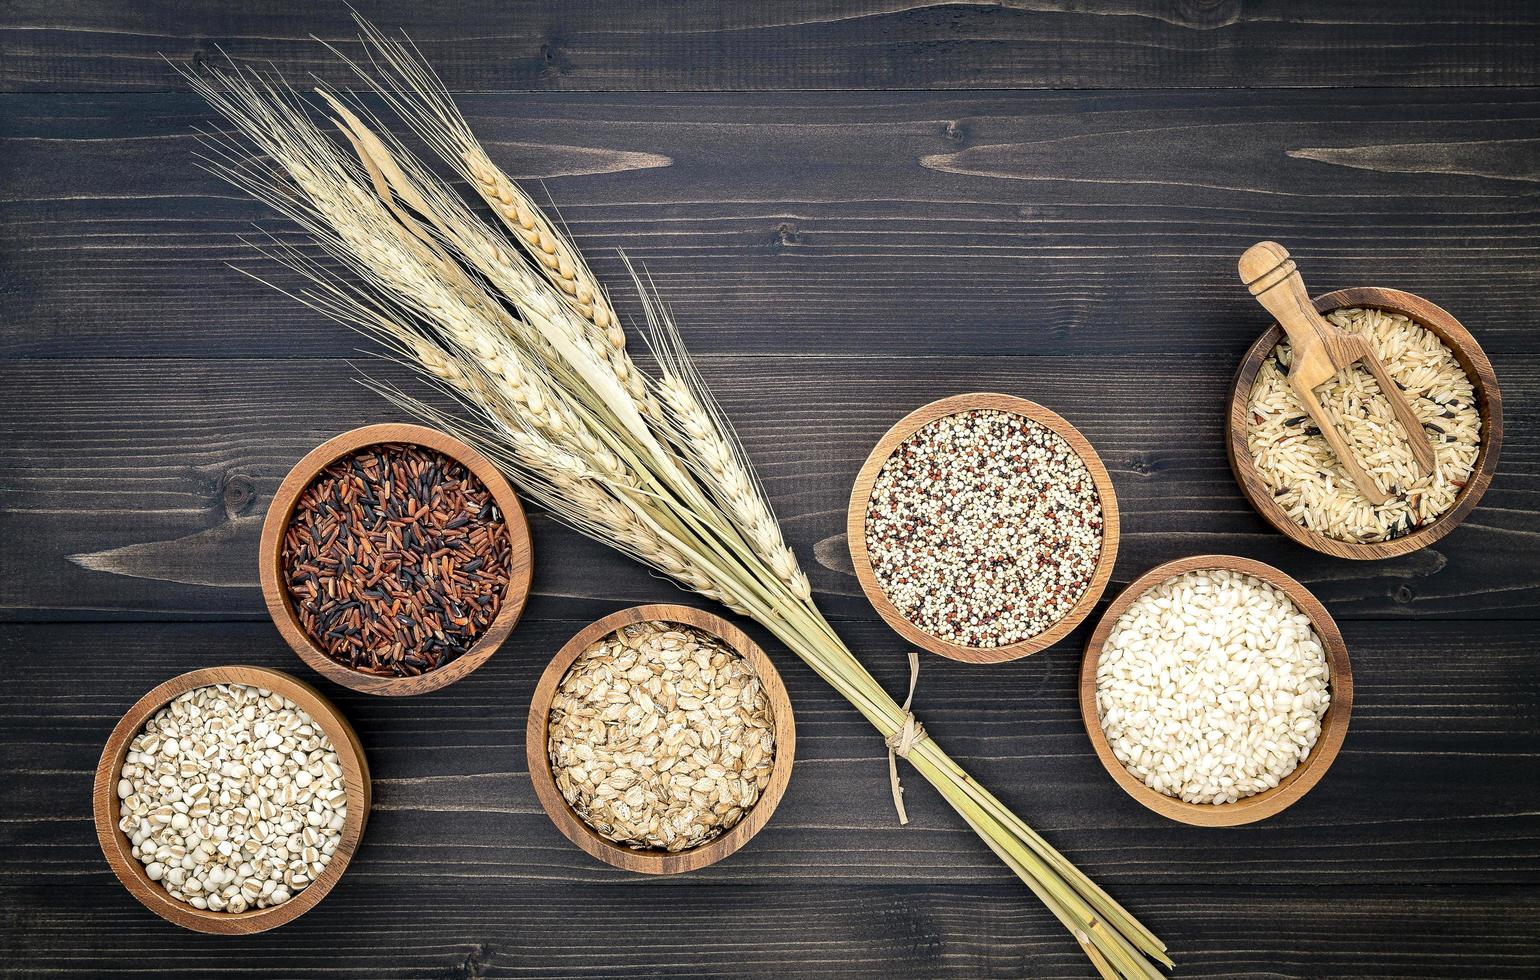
(1489, 403)
(119, 852)
(860, 497)
(537, 739)
(281, 607)
(1333, 726)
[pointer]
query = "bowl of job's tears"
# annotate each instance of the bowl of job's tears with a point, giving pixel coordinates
(230, 799)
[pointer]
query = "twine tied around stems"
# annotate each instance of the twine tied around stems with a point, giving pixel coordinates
(903, 741)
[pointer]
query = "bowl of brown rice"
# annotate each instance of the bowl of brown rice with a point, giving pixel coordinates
(1292, 477)
(1216, 690)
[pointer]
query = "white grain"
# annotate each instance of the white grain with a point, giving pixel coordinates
(1211, 687)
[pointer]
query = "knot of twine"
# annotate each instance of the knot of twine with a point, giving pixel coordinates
(903, 741)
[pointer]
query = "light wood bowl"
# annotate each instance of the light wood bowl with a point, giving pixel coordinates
(537, 739)
(119, 852)
(860, 497)
(1489, 403)
(1293, 786)
(281, 607)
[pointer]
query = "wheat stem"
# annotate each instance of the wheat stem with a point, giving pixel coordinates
(547, 390)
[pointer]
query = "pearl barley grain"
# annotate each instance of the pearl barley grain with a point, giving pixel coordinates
(216, 790)
(984, 528)
(1211, 686)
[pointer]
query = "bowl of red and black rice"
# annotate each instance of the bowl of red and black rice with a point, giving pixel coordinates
(395, 559)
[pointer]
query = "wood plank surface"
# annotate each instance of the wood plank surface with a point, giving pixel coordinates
(625, 45)
(1063, 223)
(383, 929)
(852, 208)
(135, 488)
(1426, 790)
(1415, 856)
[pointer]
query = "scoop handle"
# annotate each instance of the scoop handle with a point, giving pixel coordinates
(1271, 276)
(1317, 349)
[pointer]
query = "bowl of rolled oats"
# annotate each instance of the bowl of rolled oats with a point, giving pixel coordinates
(660, 739)
(229, 800)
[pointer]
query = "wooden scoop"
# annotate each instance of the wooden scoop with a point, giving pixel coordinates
(1320, 350)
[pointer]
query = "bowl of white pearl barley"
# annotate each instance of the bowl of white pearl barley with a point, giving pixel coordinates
(1216, 690)
(229, 800)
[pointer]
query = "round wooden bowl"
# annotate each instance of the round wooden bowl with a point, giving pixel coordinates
(1489, 403)
(537, 740)
(860, 497)
(281, 607)
(119, 852)
(1333, 726)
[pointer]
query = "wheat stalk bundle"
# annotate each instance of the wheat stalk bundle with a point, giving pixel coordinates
(508, 320)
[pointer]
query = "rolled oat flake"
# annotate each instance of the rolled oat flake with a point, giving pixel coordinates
(661, 737)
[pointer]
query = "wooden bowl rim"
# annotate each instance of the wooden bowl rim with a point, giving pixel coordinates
(572, 826)
(1472, 359)
(866, 479)
(115, 845)
(1296, 784)
(270, 557)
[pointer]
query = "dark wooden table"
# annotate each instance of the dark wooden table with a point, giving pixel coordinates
(853, 209)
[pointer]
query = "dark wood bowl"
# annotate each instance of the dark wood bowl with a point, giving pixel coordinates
(119, 852)
(1293, 786)
(537, 741)
(1489, 404)
(861, 494)
(281, 607)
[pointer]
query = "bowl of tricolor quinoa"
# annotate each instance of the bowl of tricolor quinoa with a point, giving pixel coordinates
(1216, 690)
(983, 527)
(1293, 478)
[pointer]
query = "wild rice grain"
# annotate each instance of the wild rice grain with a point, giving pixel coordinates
(1303, 474)
(396, 560)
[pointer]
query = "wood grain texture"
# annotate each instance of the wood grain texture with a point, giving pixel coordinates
(463, 875)
(1444, 723)
(1063, 223)
(116, 846)
(572, 826)
(742, 44)
(382, 929)
(1294, 785)
(860, 501)
(133, 488)
(280, 605)
(1489, 405)
(842, 257)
